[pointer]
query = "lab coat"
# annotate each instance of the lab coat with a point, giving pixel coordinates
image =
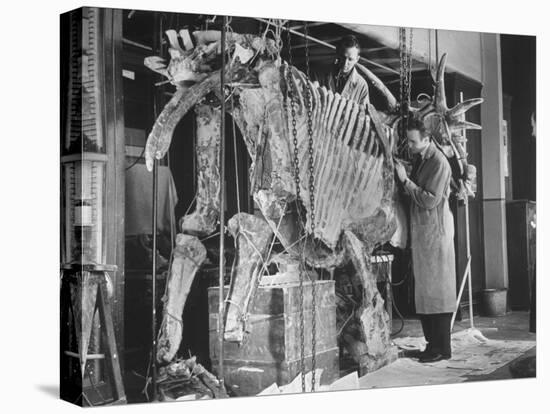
(355, 88)
(432, 232)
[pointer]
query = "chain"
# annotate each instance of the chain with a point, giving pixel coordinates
(409, 66)
(401, 85)
(405, 69)
(290, 97)
(309, 103)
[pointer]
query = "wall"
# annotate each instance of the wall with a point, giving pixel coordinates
(519, 82)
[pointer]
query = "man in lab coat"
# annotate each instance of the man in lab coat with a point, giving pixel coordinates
(432, 245)
(343, 78)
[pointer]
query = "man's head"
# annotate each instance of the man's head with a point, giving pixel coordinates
(418, 137)
(347, 53)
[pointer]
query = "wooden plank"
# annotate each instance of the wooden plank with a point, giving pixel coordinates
(113, 357)
(110, 55)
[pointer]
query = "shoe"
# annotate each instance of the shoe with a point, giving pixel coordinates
(413, 353)
(427, 350)
(433, 357)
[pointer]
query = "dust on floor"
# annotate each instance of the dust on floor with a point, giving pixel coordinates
(473, 355)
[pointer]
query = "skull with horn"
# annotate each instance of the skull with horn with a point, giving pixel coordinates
(447, 126)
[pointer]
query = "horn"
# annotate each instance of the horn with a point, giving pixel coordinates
(463, 107)
(393, 120)
(440, 99)
(455, 125)
(160, 137)
(174, 43)
(186, 38)
(156, 64)
(425, 110)
(378, 84)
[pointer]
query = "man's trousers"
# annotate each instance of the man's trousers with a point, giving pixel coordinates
(437, 331)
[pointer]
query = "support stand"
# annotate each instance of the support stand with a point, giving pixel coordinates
(154, 286)
(84, 288)
(221, 275)
(468, 270)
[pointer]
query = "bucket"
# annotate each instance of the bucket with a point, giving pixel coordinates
(494, 302)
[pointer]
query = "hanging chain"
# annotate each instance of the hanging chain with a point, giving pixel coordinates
(409, 66)
(296, 160)
(309, 103)
(405, 70)
(401, 87)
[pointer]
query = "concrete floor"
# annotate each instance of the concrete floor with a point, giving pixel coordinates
(510, 329)
(512, 326)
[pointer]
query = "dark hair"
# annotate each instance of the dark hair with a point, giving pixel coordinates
(417, 124)
(345, 43)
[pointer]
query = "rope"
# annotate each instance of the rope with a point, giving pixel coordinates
(242, 232)
(286, 249)
(275, 235)
(137, 160)
(227, 300)
(389, 292)
(235, 150)
(243, 314)
(190, 205)
(180, 321)
(346, 322)
(210, 236)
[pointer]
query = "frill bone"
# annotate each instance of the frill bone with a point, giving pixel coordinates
(447, 125)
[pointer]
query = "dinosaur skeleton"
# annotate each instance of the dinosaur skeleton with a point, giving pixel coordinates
(355, 193)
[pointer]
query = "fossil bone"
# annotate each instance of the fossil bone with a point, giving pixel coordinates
(189, 254)
(203, 220)
(252, 235)
(354, 188)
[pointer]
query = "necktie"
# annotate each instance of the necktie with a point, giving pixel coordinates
(416, 164)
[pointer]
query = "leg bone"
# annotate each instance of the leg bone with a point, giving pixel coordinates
(189, 254)
(253, 236)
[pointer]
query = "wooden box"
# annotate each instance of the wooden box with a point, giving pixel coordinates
(270, 352)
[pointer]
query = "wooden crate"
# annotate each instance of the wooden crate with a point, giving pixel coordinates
(271, 351)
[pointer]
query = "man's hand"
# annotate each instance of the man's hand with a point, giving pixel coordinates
(400, 171)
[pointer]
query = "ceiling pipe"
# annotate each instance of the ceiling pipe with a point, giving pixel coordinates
(322, 43)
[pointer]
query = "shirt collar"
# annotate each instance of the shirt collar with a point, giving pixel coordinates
(346, 76)
(427, 152)
(351, 75)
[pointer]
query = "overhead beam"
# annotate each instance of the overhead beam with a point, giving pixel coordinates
(320, 42)
(302, 45)
(312, 24)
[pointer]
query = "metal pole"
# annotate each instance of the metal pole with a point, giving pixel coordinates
(467, 218)
(157, 45)
(222, 211)
(462, 284)
(320, 42)
(154, 281)
(468, 270)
